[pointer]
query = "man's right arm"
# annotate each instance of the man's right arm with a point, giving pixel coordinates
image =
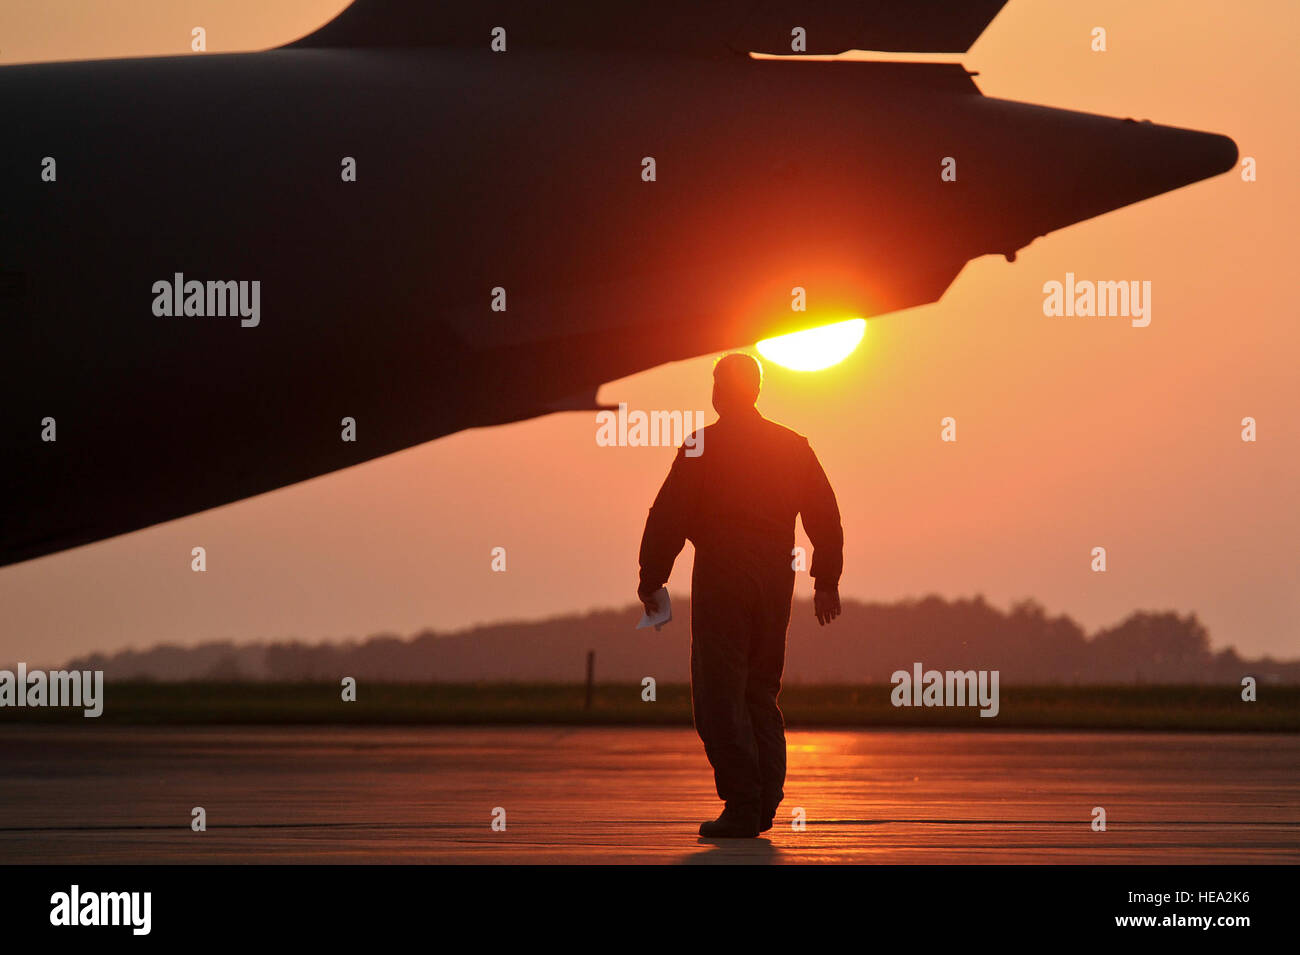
(665, 529)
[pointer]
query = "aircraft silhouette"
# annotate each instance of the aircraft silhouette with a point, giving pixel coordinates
(477, 170)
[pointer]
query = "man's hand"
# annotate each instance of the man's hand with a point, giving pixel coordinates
(826, 606)
(648, 601)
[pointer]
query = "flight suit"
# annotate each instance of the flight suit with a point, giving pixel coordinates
(736, 502)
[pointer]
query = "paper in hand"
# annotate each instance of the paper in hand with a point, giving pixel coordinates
(664, 613)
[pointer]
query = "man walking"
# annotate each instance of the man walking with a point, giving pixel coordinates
(736, 501)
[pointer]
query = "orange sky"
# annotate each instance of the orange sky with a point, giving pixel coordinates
(1072, 433)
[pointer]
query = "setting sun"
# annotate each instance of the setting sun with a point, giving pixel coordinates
(815, 348)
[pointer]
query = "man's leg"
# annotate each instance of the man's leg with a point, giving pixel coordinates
(720, 642)
(766, 664)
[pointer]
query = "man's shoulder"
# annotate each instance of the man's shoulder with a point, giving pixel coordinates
(702, 430)
(695, 442)
(781, 433)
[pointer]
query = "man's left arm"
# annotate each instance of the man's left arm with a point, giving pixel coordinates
(821, 519)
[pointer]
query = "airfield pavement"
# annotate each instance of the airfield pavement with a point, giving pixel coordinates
(119, 794)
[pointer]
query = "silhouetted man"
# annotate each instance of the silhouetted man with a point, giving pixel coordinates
(736, 501)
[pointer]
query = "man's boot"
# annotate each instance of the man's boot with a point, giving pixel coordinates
(736, 822)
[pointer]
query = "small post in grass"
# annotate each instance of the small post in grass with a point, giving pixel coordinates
(591, 676)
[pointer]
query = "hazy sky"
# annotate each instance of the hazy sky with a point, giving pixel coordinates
(1072, 433)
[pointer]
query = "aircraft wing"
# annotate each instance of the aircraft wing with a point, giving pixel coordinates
(122, 406)
(666, 26)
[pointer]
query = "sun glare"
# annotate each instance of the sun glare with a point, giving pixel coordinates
(815, 348)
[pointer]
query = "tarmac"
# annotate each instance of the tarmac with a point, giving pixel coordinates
(86, 794)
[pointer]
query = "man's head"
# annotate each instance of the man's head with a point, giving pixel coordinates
(737, 379)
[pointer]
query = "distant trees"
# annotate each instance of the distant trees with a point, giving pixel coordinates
(867, 644)
(1155, 647)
